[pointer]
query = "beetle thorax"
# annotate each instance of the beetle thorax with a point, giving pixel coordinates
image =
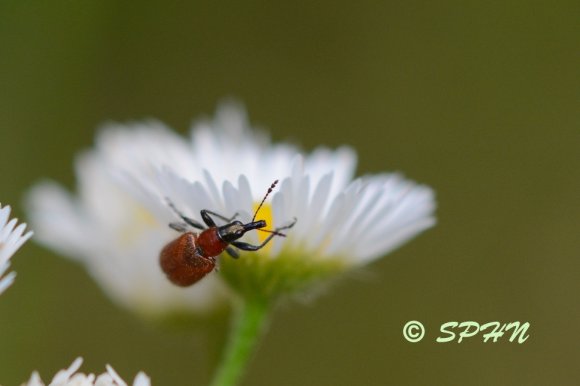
(210, 243)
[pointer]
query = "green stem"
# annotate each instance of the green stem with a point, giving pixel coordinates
(251, 320)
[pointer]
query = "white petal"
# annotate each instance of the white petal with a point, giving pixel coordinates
(115, 376)
(35, 380)
(7, 280)
(142, 380)
(11, 239)
(63, 376)
(70, 377)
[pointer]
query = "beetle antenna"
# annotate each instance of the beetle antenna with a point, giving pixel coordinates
(273, 232)
(270, 189)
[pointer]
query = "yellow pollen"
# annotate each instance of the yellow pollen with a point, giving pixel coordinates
(143, 219)
(265, 213)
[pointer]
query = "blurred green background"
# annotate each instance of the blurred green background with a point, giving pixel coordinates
(477, 99)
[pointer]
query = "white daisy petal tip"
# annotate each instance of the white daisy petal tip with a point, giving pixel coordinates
(142, 379)
(71, 377)
(11, 239)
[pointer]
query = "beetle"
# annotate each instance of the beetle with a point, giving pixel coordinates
(190, 257)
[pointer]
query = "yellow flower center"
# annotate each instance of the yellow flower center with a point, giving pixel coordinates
(143, 219)
(265, 213)
(293, 270)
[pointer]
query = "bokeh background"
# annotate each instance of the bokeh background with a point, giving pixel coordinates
(477, 99)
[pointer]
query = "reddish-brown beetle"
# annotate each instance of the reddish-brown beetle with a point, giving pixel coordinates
(191, 256)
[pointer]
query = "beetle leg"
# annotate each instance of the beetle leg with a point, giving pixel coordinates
(207, 219)
(205, 215)
(232, 252)
(178, 226)
(189, 221)
(250, 247)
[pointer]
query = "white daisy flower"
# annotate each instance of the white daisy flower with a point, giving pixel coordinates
(70, 377)
(11, 238)
(226, 168)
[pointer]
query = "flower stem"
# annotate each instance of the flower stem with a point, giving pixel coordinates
(249, 324)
